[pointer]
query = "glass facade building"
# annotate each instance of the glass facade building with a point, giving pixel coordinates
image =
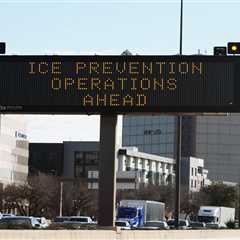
(216, 139)
(150, 134)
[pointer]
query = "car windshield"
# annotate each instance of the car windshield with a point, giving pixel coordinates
(172, 223)
(121, 224)
(127, 213)
(39, 220)
(16, 221)
(79, 220)
(196, 224)
(61, 219)
(154, 224)
(7, 215)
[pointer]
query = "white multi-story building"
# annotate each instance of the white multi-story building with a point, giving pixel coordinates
(195, 176)
(152, 168)
(137, 168)
(13, 149)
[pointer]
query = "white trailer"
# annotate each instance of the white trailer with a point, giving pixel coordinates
(215, 215)
(152, 210)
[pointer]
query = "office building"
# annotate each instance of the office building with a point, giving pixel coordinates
(13, 149)
(216, 139)
(134, 168)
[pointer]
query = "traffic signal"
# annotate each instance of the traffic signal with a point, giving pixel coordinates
(234, 48)
(220, 51)
(2, 47)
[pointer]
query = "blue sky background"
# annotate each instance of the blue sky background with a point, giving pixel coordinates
(110, 27)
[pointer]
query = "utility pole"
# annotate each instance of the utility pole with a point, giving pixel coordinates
(239, 204)
(179, 139)
(61, 199)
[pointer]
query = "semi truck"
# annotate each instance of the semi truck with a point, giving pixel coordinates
(215, 216)
(138, 212)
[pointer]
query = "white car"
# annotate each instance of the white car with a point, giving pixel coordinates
(124, 225)
(43, 222)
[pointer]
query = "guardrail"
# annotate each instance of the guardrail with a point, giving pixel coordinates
(118, 234)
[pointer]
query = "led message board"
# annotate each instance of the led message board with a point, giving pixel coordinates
(118, 84)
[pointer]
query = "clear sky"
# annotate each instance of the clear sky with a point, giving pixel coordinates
(109, 27)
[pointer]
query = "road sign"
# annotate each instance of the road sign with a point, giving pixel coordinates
(119, 84)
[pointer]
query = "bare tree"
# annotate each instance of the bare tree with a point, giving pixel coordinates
(40, 194)
(78, 199)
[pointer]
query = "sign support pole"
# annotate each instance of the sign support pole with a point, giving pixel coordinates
(107, 171)
(179, 140)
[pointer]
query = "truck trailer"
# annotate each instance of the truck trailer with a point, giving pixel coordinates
(138, 212)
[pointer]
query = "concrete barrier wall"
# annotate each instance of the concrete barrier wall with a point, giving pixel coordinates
(118, 235)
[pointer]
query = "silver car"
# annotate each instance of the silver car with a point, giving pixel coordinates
(155, 225)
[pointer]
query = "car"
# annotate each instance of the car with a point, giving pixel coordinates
(197, 225)
(81, 220)
(6, 215)
(43, 222)
(124, 225)
(154, 225)
(19, 222)
(183, 224)
(74, 221)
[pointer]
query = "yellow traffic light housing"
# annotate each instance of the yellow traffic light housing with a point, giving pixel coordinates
(234, 48)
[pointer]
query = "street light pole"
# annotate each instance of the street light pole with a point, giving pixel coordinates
(179, 138)
(181, 28)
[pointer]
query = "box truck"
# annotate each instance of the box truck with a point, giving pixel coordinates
(138, 212)
(215, 216)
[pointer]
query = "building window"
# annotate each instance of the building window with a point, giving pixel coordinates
(192, 171)
(84, 162)
(195, 171)
(191, 183)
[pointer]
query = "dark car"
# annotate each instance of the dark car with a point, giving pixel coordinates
(183, 224)
(197, 225)
(154, 225)
(21, 222)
